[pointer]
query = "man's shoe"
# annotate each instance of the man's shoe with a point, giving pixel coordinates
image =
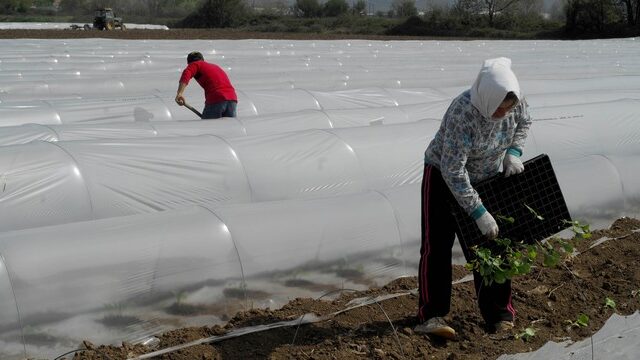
(436, 326)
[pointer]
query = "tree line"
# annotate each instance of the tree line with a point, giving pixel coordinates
(469, 18)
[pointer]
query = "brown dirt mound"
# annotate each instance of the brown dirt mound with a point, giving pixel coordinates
(547, 300)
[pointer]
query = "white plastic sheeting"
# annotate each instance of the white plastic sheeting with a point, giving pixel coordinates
(156, 108)
(107, 289)
(104, 178)
(101, 280)
(285, 209)
(225, 127)
(97, 179)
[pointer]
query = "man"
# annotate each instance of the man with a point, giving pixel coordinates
(220, 96)
(484, 127)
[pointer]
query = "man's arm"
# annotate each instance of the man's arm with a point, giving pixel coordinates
(180, 93)
(186, 76)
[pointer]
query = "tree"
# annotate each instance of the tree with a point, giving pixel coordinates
(631, 11)
(530, 7)
(13, 6)
(333, 8)
(467, 11)
(557, 11)
(490, 8)
(155, 6)
(307, 8)
(217, 14)
(589, 16)
(74, 7)
(359, 8)
(404, 8)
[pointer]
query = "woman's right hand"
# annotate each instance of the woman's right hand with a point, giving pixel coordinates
(487, 225)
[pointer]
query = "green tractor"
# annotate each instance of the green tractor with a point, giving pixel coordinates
(105, 19)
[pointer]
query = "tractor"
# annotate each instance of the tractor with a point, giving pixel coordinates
(105, 19)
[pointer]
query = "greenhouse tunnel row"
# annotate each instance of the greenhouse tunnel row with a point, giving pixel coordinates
(294, 121)
(156, 108)
(226, 127)
(49, 183)
(161, 107)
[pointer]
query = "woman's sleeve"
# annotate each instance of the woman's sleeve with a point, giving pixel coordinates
(523, 120)
(458, 139)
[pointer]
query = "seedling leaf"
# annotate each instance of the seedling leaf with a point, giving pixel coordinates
(583, 320)
(610, 303)
(507, 219)
(537, 216)
(527, 334)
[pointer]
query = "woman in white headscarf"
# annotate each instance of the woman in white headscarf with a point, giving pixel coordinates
(484, 127)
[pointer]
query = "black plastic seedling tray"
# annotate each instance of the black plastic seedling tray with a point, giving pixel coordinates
(524, 197)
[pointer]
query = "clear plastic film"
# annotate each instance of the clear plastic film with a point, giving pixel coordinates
(145, 175)
(351, 241)
(134, 176)
(41, 181)
(385, 164)
(11, 340)
(129, 277)
(225, 127)
(22, 134)
(123, 278)
(285, 122)
(301, 164)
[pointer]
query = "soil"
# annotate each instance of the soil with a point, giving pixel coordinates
(547, 300)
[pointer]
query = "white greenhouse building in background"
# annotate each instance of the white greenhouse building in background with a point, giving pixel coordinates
(122, 215)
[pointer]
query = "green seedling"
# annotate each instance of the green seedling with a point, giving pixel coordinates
(582, 321)
(527, 334)
(610, 303)
(551, 257)
(506, 219)
(581, 231)
(537, 216)
(500, 268)
(514, 259)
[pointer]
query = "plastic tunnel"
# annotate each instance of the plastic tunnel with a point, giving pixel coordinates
(227, 127)
(104, 178)
(123, 217)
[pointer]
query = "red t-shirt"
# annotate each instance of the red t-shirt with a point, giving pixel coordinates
(213, 79)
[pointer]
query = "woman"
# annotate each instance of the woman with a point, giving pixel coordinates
(484, 127)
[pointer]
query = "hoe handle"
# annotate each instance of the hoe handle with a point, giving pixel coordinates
(193, 109)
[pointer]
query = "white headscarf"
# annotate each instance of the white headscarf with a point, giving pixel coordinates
(494, 81)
